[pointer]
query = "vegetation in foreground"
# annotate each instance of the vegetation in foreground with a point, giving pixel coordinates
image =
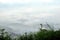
(42, 34)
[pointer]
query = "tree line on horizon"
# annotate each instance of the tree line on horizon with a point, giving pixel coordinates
(42, 34)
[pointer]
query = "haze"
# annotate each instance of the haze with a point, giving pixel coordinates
(26, 15)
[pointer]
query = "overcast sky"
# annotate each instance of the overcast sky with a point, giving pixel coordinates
(28, 14)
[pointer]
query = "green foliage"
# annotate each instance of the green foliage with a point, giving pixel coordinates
(42, 34)
(4, 35)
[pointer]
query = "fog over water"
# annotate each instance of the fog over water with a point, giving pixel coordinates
(26, 15)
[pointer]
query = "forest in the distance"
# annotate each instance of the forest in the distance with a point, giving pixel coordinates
(42, 34)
